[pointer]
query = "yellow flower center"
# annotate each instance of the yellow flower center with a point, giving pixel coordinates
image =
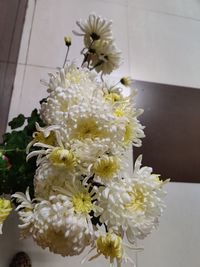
(39, 137)
(63, 158)
(137, 199)
(119, 112)
(5, 209)
(106, 167)
(110, 246)
(82, 202)
(74, 76)
(88, 128)
(112, 97)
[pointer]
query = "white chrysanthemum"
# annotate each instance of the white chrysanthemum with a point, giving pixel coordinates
(107, 57)
(108, 168)
(94, 28)
(112, 247)
(125, 112)
(94, 119)
(46, 178)
(63, 222)
(68, 76)
(26, 212)
(133, 205)
(45, 135)
(68, 87)
(59, 228)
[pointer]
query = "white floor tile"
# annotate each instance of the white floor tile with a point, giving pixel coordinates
(56, 19)
(177, 241)
(33, 91)
(164, 48)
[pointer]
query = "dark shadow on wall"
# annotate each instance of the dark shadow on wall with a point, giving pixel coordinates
(11, 25)
(172, 119)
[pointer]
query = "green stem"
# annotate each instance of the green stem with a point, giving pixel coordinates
(66, 57)
(3, 151)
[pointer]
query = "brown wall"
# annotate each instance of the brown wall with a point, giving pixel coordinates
(172, 119)
(11, 25)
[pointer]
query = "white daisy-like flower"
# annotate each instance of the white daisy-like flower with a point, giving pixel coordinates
(133, 205)
(93, 29)
(107, 57)
(26, 212)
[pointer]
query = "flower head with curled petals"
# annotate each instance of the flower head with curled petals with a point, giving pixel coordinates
(94, 28)
(107, 57)
(133, 204)
(26, 212)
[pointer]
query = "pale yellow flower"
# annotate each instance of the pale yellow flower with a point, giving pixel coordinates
(126, 81)
(110, 246)
(64, 158)
(68, 40)
(94, 28)
(106, 167)
(5, 209)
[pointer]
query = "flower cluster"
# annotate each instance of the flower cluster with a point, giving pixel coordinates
(100, 52)
(83, 193)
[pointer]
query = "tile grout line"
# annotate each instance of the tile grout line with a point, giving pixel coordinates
(165, 13)
(7, 64)
(27, 52)
(28, 64)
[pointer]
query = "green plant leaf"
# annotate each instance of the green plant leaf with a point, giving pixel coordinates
(17, 122)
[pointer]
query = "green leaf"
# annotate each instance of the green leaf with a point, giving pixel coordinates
(17, 122)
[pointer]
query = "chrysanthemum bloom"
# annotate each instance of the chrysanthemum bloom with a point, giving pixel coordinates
(108, 57)
(106, 168)
(46, 178)
(133, 205)
(26, 212)
(93, 29)
(45, 135)
(112, 247)
(5, 209)
(67, 88)
(63, 224)
(61, 227)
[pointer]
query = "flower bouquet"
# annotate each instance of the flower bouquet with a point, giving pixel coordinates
(79, 193)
